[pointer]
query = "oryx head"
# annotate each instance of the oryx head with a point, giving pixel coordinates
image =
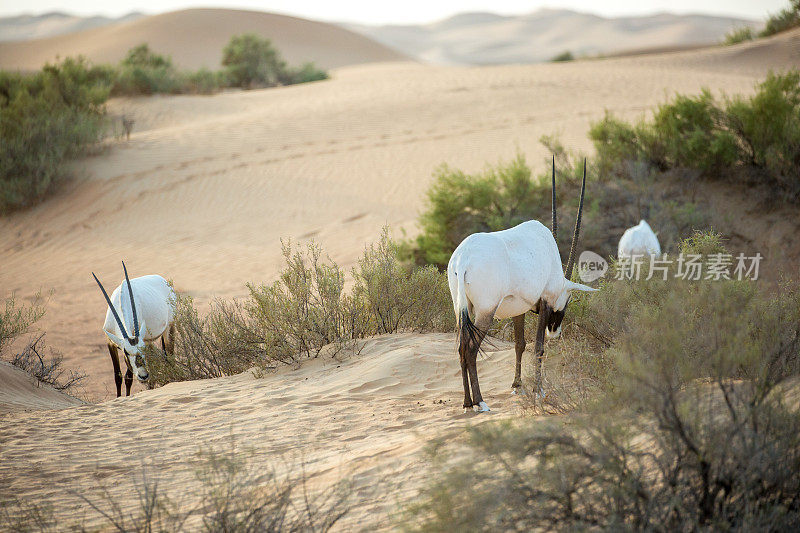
(131, 345)
(560, 308)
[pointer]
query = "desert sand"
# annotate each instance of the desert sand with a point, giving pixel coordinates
(202, 194)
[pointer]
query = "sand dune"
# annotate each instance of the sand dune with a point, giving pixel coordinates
(195, 38)
(25, 27)
(20, 391)
(368, 414)
(203, 193)
(207, 186)
(487, 38)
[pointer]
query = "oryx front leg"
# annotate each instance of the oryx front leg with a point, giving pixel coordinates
(544, 317)
(128, 382)
(117, 371)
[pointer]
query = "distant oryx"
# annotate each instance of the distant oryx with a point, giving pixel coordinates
(638, 241)
(505, 274)
(150, 296)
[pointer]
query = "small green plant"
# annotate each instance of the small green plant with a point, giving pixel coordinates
(739, 35)
(563, 56)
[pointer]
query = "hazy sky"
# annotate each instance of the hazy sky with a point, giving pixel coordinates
(404, 11)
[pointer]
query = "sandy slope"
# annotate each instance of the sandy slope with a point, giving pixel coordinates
(369, 414)
(195, 38)
(207, 186)
(487, 38)
(20, 391)
(205, 190)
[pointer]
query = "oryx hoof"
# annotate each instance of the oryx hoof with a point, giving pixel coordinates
(518, 390)
(481, 408)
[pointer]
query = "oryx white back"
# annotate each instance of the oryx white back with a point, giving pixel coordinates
(639, 240)
(150, 293)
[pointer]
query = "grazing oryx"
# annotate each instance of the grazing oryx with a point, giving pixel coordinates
(147, 297)
(505, 274)
(638, 240)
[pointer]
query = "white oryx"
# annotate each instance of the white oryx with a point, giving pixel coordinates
(638, 241)
(505, 274)
(146, 309)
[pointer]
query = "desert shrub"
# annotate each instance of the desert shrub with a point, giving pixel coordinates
(16, 320)
(739, 35)
(460, 204)
(251, 61)
(47, 368)
(233, 491)
(768, 128)
(307, 308)
(143, 71)
(500, 197)
(218, 344)
(786, 19)
(303, 312)
(396, 299)
(202, 81)
(754, 138)
(45, 119)
(689, 134)
(563, 56)
(34, 358)
(703, 243)
(694, 431)
(307, 72)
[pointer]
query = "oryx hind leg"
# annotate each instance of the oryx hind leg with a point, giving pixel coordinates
(168, 340)
(519, 346)
(117, 372)
(482, 324)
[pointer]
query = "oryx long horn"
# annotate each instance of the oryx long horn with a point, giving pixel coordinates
(555, 222)
(133, 304)
(574, 245)
(113, 311)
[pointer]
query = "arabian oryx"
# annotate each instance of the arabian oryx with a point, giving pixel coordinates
(148, 298)
(637, 241)
(505, 274)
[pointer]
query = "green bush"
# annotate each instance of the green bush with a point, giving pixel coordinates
(251, 61)
(785, 19)
(753, 138)
(563, 56)
(739, 35)
(45, 119)
(307, 72)
(460, 204)
(398, 300)
(142, 71)
(693, 430)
